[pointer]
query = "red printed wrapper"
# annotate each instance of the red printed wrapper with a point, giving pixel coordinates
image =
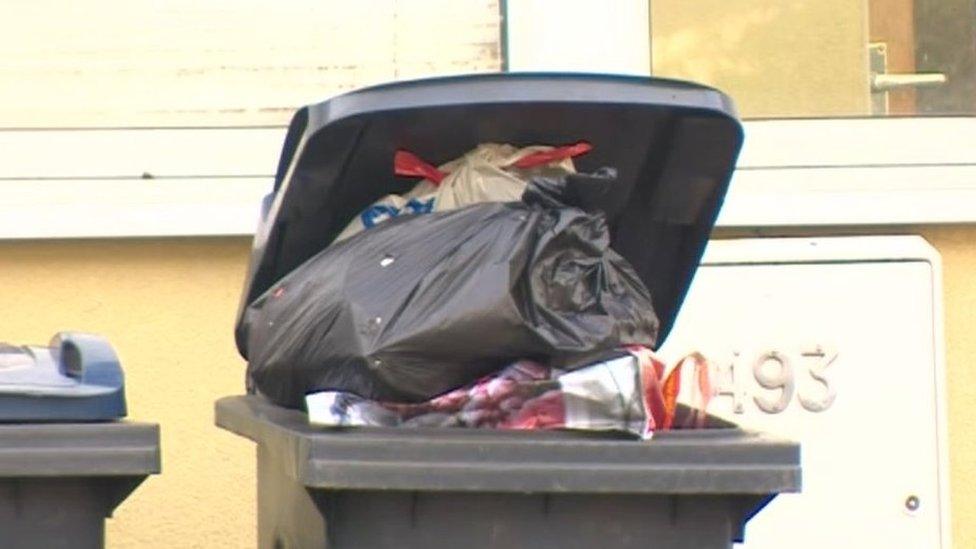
(627, 394)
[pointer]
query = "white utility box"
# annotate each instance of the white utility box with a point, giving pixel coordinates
(835, 343)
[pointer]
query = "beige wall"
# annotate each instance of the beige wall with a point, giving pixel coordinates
(958, 249)
(777, 58)
(168, 306)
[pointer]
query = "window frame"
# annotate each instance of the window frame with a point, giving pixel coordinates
(160, 182)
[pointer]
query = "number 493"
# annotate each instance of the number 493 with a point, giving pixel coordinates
(778, 374)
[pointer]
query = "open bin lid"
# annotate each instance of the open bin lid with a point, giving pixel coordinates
(673, 143)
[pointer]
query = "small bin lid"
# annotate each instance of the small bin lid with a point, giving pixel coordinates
(77, 377)
(673, 143)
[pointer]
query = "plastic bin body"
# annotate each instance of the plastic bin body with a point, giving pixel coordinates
(674, 145)
(59, 482)
(488, 489)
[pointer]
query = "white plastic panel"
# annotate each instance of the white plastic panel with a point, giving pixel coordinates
(871, 430)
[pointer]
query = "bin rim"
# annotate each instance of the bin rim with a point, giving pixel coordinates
(735, 461)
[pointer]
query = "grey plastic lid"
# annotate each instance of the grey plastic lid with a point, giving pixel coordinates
(709, 461)
(77, 377)
(674, 144)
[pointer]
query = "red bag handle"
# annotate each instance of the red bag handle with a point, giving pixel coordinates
(410, 165)
(542, 158)
(407, 164)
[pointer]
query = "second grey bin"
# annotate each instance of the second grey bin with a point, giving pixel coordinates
(60, 481)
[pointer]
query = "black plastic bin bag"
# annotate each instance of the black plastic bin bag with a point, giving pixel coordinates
(423, 304)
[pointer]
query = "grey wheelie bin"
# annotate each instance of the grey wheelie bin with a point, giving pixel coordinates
(66, 458)
(674, 145)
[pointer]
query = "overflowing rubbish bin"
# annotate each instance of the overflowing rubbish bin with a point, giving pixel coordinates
(519, 291)
(67, 460)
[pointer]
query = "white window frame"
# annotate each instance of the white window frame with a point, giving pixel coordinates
(151, 182)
